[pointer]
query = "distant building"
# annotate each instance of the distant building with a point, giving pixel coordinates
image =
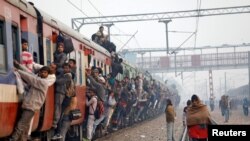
(130, 57)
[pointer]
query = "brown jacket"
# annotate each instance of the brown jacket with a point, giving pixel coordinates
(170, 113)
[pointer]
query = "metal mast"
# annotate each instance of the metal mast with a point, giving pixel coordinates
(77, 23)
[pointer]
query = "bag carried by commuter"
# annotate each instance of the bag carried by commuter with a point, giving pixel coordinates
(75, 114)
(67, 41)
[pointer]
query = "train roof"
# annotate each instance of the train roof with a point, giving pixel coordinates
(57, 24)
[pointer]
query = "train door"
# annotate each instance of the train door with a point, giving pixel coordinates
(48, 51)
(80, 70)
(28, 33)
(3, 61)
(15, 45)
(72, 55)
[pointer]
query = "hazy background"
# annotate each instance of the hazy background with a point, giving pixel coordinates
(211, 31)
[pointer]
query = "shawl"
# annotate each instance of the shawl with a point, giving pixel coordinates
(198, 113)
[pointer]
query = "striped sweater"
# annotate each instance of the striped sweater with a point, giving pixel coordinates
(27, 60)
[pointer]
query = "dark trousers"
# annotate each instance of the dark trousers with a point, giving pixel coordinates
(58, 108)
(22, 128)
(64, 123)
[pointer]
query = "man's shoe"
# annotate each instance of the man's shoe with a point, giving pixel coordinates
(56, 137)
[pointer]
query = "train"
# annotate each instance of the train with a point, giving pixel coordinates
(21, 19)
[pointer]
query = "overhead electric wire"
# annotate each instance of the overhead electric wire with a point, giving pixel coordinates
(183, 43)
(127, 41)
(95, 8)
(77, 8)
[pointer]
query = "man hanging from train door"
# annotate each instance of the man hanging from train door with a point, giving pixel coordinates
(32, 101)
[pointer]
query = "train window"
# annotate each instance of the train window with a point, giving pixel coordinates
(89, 60)
(24, 26)
(72, 55)
(105, 69)
(48, 49)
(1, 33)
(80, 66)
(16, 50)
(2, 49)
(35, 57)
(98, 64)
(94, 63)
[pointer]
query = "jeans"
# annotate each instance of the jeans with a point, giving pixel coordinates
(90, 125)
(226, 114)
(97, 122)
(58, 108)
(64, 126)
(120, 112)
(108, 116)
(22, 128)
(170, 131)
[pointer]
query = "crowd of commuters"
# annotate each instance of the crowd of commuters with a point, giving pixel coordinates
(33, 82)
(124, 102)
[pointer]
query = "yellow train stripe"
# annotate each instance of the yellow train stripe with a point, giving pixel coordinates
(8, 93)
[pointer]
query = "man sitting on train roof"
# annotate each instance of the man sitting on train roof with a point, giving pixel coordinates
(100, 38)
(97, 36)
(110, 46)
(32, 101)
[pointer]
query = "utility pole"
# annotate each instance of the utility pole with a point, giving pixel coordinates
(166, 24)
(249, 73)
(225, 74)
(175, 63)
(108, 26)
(142, 62)
(211, 87)
(220, 87)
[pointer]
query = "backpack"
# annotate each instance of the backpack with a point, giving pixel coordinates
(67, 41)
(70, 90)
(99, 109)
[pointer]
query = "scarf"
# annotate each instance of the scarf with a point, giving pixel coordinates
(198, 113)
